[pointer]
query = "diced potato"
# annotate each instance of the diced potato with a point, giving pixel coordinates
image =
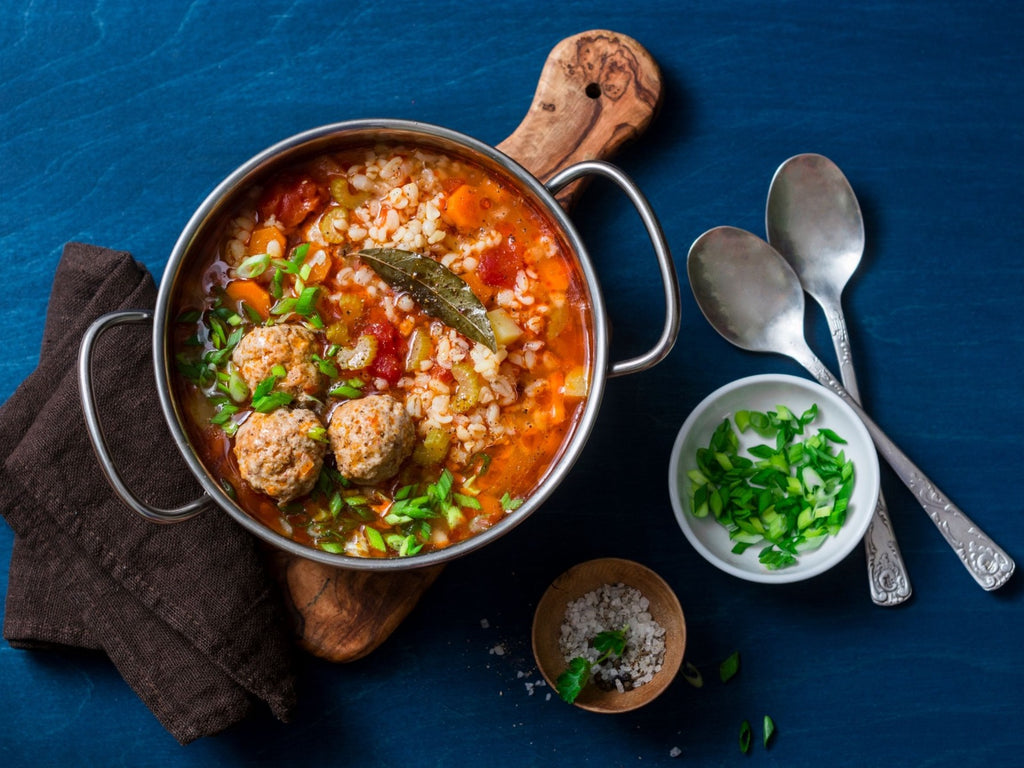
(506, 331)
(349, 306)
(338, 333)
(576, 384)
(558, 319)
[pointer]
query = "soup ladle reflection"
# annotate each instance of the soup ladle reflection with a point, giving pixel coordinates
(754, 299)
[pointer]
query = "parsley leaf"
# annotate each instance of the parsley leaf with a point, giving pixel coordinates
(610, 643)
(573, 680)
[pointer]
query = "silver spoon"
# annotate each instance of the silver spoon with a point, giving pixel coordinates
(813, 220)
(753, 298)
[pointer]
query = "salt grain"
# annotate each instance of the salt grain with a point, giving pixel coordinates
(612, 607)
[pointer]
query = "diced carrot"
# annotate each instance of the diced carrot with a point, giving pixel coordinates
(319, 261)
(553, 275)
(557, 382)
(252, 293)
(463, 207)
(261, 239)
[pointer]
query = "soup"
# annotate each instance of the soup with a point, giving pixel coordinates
(383, 351)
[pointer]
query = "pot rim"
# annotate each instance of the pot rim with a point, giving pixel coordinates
(399, 130)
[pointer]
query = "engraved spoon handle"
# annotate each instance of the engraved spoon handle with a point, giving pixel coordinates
(990, 566)
(887, 573)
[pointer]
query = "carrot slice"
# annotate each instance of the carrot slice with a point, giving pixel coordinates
(252, 293)
(557, 381)
(261, 239)
(319, 262)
(552, 273)
(463, 207)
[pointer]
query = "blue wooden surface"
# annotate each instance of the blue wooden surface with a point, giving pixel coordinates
(115, 122)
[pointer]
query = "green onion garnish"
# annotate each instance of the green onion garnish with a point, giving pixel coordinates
(787, 496)
(253, 266)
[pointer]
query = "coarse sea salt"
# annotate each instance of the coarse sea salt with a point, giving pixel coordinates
(612, 607)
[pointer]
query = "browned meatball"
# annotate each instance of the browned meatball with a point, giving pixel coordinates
(276, 454)
(370, 438)
(291, 346)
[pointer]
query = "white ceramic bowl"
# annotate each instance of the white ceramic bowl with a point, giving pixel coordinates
(765, 393)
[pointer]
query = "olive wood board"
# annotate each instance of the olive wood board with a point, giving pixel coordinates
(597, 90)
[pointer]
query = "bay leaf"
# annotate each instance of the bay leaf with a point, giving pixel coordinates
(439, 291)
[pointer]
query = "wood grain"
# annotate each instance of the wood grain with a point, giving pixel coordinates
(597, 90)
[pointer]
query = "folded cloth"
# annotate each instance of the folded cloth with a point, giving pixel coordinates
(187, 612)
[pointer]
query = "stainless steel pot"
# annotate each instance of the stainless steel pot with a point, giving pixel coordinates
(203, 225)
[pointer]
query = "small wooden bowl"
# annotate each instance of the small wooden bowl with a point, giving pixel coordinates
(584, 578)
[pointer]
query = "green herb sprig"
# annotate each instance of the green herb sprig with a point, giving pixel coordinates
(609, 644)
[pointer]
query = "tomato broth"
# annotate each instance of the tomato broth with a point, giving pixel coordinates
(486, 350)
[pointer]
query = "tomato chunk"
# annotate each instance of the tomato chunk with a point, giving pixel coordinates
(291, 199)
(499, 266)
(389, 362)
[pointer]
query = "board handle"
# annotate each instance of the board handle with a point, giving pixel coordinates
(597, 90)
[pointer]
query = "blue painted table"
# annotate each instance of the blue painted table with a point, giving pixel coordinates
(115, 123)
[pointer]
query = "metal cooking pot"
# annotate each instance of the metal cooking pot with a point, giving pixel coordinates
(204, 224)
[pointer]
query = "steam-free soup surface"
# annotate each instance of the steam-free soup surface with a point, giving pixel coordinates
(331, 403)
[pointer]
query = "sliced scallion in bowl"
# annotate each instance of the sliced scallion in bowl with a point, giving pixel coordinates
(788, 494)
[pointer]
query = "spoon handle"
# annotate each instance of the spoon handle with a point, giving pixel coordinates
(990, 566)
(887, 573)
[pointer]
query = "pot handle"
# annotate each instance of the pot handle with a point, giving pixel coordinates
(661, 250)
(92, 423)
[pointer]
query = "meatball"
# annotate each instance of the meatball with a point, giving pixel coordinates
(276, 454)
(370, 438)
(291, 346)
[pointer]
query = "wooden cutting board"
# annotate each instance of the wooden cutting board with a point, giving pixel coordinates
(597, 90)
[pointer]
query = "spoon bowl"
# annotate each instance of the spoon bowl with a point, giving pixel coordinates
(814, 220)
(747, 292)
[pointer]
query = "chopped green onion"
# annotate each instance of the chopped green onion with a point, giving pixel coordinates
(277, 284)
(375, 540)
(351, 389)
(229, 489)
(692, 675)
(253, 266)
(189, 316)
(318, 433)
(746, 736)
(284, 306)
(403, 545)
(729, 667)
(327, 368)
(335, 504)
(306, 302)
(788, 495)
(254, 317)
(299, 256)
(509, 504)
(271, 401)
(769, 730)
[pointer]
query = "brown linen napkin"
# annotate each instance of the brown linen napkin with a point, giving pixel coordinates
(186, 612)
